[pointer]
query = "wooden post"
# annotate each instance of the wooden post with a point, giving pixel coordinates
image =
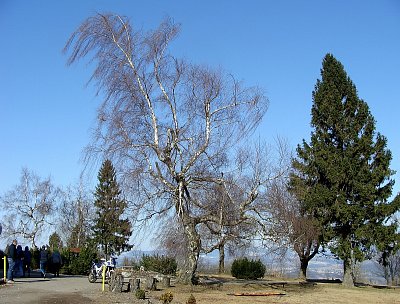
(151, 283)
(166, 282)
(135, 284)
(119, 282)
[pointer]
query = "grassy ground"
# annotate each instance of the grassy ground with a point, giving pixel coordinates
(293, 293)
(77, 289)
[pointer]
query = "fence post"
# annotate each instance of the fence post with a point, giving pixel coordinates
(103, 277)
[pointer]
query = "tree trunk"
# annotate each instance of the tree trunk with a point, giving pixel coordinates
(303, 267)
(303, 250)
(166, 282)
(188, 274)
(348, 279)
(388, 275)
(221, 267)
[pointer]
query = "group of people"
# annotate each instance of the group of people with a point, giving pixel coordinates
(19, 261)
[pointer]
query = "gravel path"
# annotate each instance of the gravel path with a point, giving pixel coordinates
(60, 290)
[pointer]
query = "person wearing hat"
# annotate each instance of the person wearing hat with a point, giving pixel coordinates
(12, 257)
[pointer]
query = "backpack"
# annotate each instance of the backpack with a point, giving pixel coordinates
(7, 250)
(56, 258)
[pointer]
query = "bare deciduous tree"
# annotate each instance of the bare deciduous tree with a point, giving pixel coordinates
(233, 228)
(390, 267)
(234, 203)
(388, 259)
(166, 124)
(29, 206)
(289, 226)
(75, 215)
(237, 202)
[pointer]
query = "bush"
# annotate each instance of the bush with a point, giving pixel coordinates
(81, 263)
(245, 269)
(35, 260)
(191, 300)
(140, 294)
(167, 297)
(162, 264)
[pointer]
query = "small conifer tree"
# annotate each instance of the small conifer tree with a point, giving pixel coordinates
(110, 230)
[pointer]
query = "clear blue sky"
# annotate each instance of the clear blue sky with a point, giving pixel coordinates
(46, 111)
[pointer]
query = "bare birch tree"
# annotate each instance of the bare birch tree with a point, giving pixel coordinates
(28, 206)
(166, 124)
(75, 215)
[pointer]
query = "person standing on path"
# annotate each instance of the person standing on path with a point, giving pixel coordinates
(27, 262)
(57, 261)
(43, 260)
(12, 256)
(18, 269)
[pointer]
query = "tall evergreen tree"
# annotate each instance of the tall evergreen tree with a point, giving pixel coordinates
(342, 176)
(55, 241)
(111, 232)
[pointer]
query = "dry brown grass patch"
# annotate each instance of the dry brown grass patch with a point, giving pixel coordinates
(294, 293)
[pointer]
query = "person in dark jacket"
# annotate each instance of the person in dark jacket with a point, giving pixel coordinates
(57, 261)
(43, 260)
(12, 257)
(18, 271)
(27, 261)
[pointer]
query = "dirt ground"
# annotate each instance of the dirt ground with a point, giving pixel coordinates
(77, 289)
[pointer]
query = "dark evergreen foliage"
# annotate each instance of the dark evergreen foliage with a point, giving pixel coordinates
(110, 230)
(342, 176)
(247, 269)
(55, 241)
(78, 263)
(35, 262)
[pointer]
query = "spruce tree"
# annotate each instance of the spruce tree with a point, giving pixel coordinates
(55, 241)
(342, 177)
(111, 232)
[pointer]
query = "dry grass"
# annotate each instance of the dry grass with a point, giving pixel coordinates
(294, 293)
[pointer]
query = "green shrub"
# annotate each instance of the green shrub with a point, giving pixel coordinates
(140, 294)
(245, 269)
(167, 297)
(191, 300)
(35, 259)
(162, 264)
(81, 263)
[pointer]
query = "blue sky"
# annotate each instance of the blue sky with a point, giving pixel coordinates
(46, 111)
